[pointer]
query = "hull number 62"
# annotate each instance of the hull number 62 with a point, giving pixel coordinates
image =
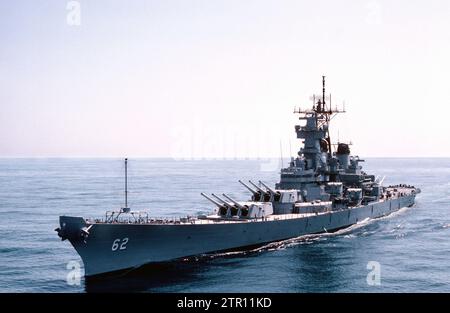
(119, 244)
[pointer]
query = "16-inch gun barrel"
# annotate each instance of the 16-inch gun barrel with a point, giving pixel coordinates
(212, 200)
(253, 191)
(272, 191)
(234, 201)
(257, 187)
(223, 201)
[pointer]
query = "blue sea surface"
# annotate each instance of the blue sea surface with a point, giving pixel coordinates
(412, 246)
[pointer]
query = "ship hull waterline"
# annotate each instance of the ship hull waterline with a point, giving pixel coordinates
(111, 248)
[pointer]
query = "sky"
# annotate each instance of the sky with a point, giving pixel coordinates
(220, 79)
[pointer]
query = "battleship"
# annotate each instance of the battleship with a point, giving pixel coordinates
(323, 189)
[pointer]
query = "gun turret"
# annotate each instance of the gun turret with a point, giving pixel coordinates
(256, 194)
(233, 209)
(274, 195)
(265, 196)
(244, 209)
(223, 207)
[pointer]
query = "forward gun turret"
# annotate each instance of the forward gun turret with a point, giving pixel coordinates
(233, 208)
(256, 194)
(274, 194)
(223, 208)
(265, 196)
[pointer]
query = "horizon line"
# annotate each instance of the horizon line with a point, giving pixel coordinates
(206, 158)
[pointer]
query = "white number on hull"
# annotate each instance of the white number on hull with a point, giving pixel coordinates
(120, 244)
(123, 246)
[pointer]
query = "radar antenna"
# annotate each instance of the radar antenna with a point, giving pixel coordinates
(322, 113)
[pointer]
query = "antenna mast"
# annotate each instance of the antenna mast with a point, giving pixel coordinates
(322, 114)
(126, 183)
(323, 93)
(327, 117)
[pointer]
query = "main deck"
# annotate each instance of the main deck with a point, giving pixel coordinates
(142, 218)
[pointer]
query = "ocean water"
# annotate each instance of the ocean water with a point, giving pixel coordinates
(412, 246)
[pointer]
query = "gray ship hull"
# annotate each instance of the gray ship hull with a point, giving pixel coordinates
(110, 247)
